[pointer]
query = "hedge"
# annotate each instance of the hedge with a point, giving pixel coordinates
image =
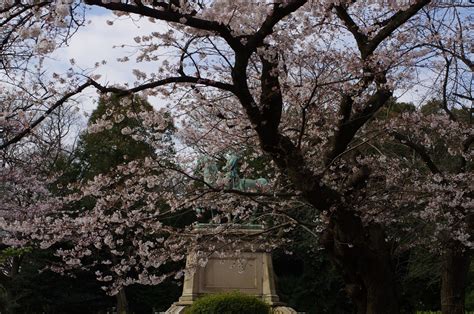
(228, 303)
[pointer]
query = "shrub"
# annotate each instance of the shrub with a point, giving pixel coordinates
(228, 303)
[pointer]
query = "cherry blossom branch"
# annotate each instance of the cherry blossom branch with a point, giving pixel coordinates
(348, 129)
(351, 149)
(166, 81)
(361, 38)
(297, 221)
(420, 150)
(23, 9)
(349, 126)
(279, 12)
(444, 105)
(170, 15)
(438, 44)
(366, 46)
(43, 116)
(394, 22)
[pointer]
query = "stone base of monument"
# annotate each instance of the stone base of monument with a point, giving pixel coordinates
(249, 272)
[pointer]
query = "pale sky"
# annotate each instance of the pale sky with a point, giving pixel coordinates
(95, 42)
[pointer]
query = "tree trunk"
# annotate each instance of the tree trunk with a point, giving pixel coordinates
(16, 263)
(122, 304)
(455, 267)
(363, 256)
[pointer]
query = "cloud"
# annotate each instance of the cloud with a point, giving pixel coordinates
(96, 41)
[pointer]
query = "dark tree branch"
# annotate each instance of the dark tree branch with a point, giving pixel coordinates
(211, 188)
(361, 39)
(173, 16)
(58, 103)
(368, 46)
(465, 148)
(444, 104)
(279, 12)
(271, 99)
(303, 115)
(185, 54)
(419, 149)
(347, 130)
(283, 151)
(393, 23)
(467, 143)
(118, 91)
(220, 52)
(464, 96)
(166, 81)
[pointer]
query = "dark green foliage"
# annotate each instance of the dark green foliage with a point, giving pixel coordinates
(11, 252)
(431, 107)
(308, 282)
(151, 299)
(419, 274)
(228, 303)
(35, 291)
(394, 108)
(102, 151)
(470, 288)
(418, 271)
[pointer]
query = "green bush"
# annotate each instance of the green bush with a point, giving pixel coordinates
(228, 303)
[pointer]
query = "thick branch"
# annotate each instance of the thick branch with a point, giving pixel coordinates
(173, 16)
(169, 80)
(420, 150)
(347, 130)
(271, 100)
(279, 12)
(368, 46)
(58, 103)
(395, 22)
(444, 105)
(464, 96)
(361, 39)
(467, 143)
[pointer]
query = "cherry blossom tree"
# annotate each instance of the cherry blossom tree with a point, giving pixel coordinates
(26, 175)
(425, 200)
(298, 82)
(446, 146)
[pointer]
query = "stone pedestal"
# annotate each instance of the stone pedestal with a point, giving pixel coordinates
(249, 272)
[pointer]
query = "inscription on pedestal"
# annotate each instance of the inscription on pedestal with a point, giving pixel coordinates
(232, 274)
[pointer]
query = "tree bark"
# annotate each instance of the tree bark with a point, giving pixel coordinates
(122, 304)
(363, 256)
(16, 263)
(455, 267)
